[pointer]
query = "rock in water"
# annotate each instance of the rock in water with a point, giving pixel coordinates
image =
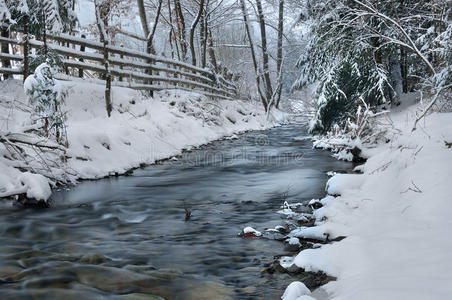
(250, 232)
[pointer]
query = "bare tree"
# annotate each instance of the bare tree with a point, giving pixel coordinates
(279, 58)
(253, 54)
(265, 60)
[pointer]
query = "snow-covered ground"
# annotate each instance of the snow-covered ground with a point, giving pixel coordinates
(141, 130)
(396, 218)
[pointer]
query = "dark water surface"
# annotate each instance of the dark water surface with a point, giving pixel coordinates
(127, 238)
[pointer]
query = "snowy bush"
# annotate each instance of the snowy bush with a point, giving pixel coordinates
(363, 128)
(46, 96)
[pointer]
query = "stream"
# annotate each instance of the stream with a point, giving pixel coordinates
(128, 238)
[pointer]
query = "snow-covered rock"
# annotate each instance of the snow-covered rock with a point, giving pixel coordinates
(251, 232)
(295, 290)
(36, 186)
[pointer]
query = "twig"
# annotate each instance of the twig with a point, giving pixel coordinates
(415, 189)
(382, 168)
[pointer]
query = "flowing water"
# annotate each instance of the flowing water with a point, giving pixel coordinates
(127, 237)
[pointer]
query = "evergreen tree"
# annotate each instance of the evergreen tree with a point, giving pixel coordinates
(5, 14)
(42, 15)
(380, 48)
(46, 96)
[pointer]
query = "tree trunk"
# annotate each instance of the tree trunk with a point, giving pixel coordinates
(265, 67)
(44, 28)
(172, 33)
(253, 54)
(404, 69)
(150, 38)
(211, 51)
(143, 18)
(26, 47)
(280, 50)
(102, 12)
(5, 49)
(192, 32)
(181, 28)
(203, 39)
(150, 41)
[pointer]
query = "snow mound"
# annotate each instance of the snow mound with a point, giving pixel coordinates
(36, 186)
(295, 290)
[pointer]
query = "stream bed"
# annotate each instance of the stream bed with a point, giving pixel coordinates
(129, 238)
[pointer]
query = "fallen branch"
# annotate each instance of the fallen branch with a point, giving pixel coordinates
(30, 140)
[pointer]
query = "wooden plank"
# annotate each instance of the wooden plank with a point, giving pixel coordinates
(10, 71)
(138, 86)
(122, 51)
(142, 76)
(117, 61)
(9, 41)
(11, 56)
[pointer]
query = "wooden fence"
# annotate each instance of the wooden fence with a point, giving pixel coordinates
(129, 68)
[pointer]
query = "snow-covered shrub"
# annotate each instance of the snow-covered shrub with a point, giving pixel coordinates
(364, 128)
(46, 96)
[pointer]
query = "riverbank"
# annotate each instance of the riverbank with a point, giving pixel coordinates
(395, 217)
(140, 131)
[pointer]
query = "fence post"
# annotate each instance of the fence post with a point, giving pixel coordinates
(149, 72)
(26, 47)
(121, 67)
(82, 49)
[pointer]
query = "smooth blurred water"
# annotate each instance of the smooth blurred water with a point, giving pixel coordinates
(121, 238)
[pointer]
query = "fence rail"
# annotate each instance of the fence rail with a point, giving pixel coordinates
(129, 68)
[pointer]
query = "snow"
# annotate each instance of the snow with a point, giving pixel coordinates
(35, 185)
(293, 241)
(395, 217)
(295, 291)
(140, 131)
(315, 233)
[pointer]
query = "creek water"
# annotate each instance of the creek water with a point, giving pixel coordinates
(128, 237)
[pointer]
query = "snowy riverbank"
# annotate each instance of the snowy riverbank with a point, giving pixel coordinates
(395, 217)
(140, 131)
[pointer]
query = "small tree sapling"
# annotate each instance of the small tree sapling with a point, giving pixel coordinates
(46, 96)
